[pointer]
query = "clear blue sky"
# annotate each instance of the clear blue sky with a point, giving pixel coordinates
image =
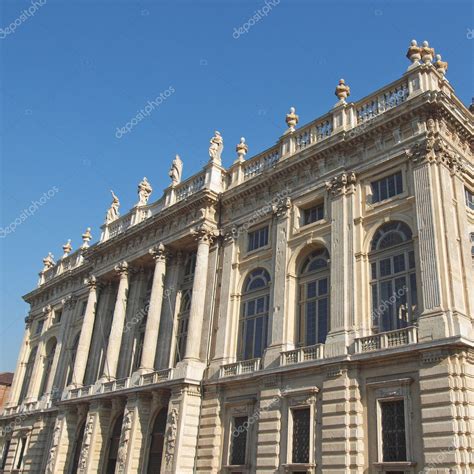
(76, 70)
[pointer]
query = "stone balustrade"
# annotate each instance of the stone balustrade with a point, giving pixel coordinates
(302, 354)
(386, 340)
(189, 187)
(240, 368)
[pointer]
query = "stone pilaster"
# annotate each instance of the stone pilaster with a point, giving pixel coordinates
(341, 191)
(154, 310)
(116, 331)
(281, 326)
(342, 423)
(182, 430)
(20, 366)
(85, 338)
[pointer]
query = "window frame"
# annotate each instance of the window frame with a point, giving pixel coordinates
(469, 198)
(304, 278)
(248, 296)
(313, 205)
(385, 178)
(252, 232)
(21, 449)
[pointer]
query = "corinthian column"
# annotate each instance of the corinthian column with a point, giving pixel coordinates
(86, 333)
(196, 313)
(116, 331)
(154, 309)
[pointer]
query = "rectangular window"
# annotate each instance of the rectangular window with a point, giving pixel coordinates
(20, 453)
(6, 448)
(387, 187)
(393, 430)
(57, 316)
(83, 308)
(313, 214)
(301, 435)
(238, 446)
(39, 327)
(469, 199)
(257, 238)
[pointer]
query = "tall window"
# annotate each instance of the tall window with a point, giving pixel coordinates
(28, 372)
(393, 277)
(77, 448)
(257, 238)
(157, 440)
(72, 359)
(238, 445)
(469, 199)
(301, 435)
(20, 452)
(254, 315)
(387, 187)
(5, 449)
(393, 430)
(48, 364)
(183, 321)
(314, 298)
(114, 443)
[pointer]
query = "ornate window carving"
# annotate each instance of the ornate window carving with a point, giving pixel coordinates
(254, 315)
(393, 277)
(314, 298)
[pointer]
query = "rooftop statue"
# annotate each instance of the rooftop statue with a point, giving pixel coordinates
(67, 247)
(86, 238)
(414, 54)
(176, 171)
(242, 148)
(441, 66)
(144, 192)
(292, 119)
(48, 262)
(216, 147)
(113, 212)
(427, 53)
(342, 91)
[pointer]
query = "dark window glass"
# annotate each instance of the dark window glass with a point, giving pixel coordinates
(114, 443)
(39, 327)
(313, 214)
(393, 431)
(301, 434)
(157, 442)
(257, 238)
(21, 453)
(77, 448)
(6, 448)
(239, 442)
(469, 199)
(387, 187)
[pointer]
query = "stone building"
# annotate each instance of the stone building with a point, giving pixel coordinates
(307, 310)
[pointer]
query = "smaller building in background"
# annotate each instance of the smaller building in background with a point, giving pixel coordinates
(6, 379)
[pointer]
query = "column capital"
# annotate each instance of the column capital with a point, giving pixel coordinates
(91, 282)
(159, 253)
(342, 184)
(204, 235)
(282, 208)
(69, 301)
(434, 149)
(122, 269)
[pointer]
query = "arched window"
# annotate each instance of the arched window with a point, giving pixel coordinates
(183, 321)
(254, 315)
(393, 277)
(114, 443)
(72, 359)
(314, 298)
(28, 372)
(77, 448)
(157, 438)
(48, 364)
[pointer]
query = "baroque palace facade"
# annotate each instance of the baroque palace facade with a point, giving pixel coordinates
(308, 310)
